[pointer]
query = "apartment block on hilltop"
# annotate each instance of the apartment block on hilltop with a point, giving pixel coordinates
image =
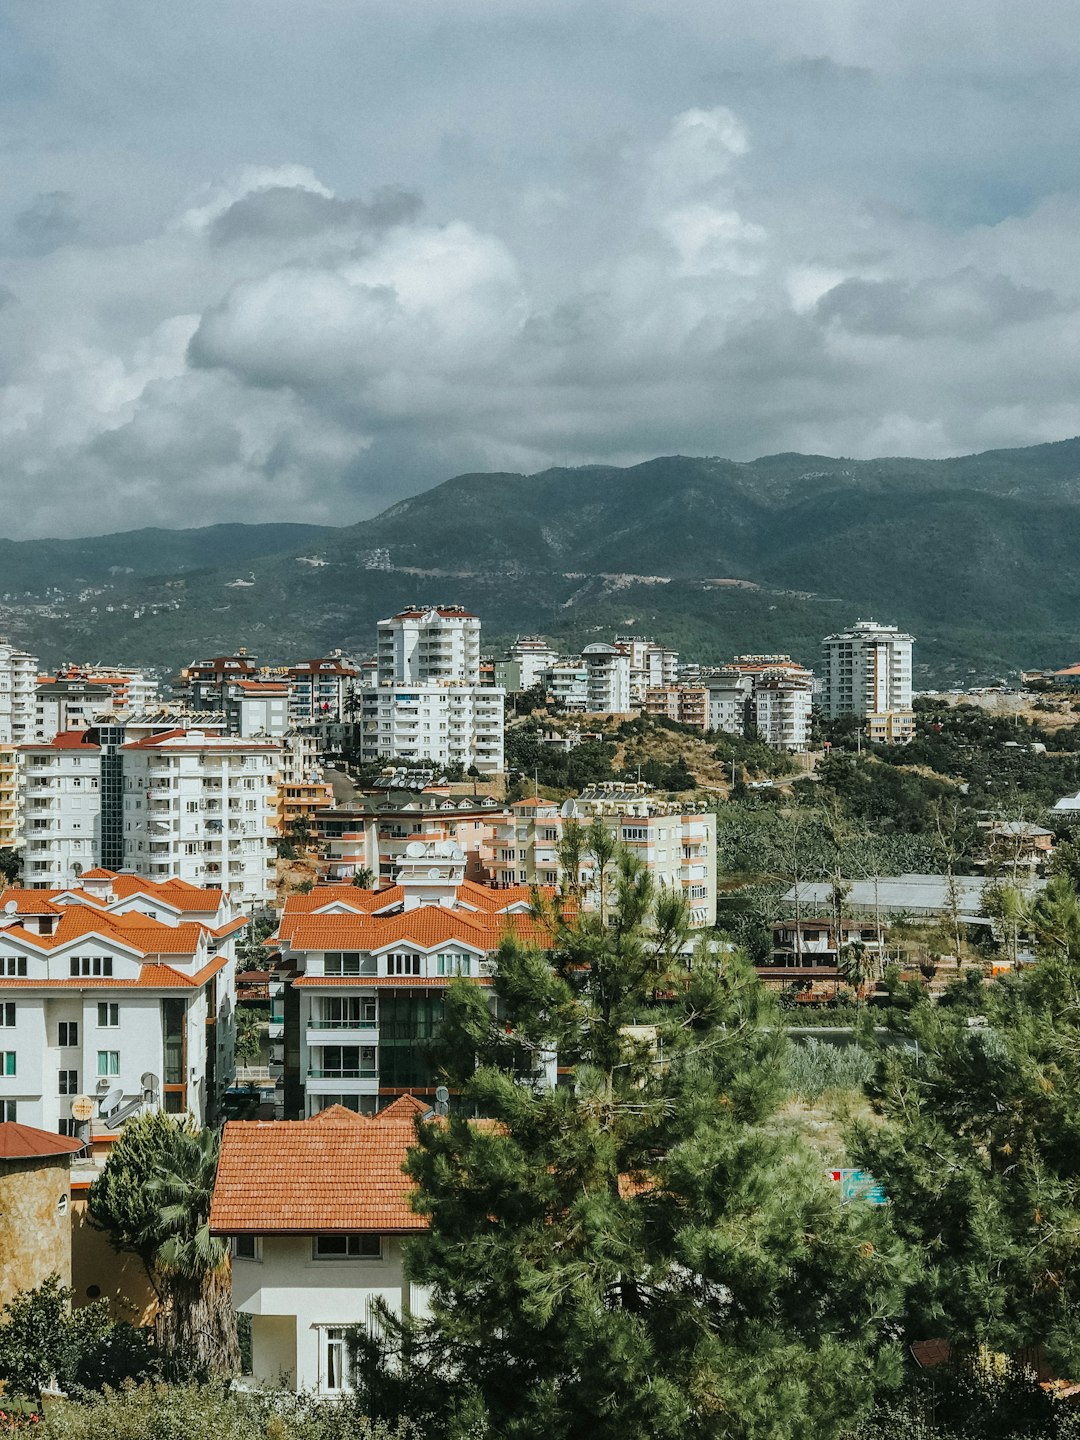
(651, 665)
(18, 681)
(363, 977)
(68, 703)
(120, 990)
(867, 673)
(524, 663)
(676, 843)
(687, 704)
(429, 643)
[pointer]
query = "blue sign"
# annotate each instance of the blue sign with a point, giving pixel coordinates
(858, 1185)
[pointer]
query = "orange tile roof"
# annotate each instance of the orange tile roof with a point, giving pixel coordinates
(339, 1173)
(19, 1142)
(66, 740)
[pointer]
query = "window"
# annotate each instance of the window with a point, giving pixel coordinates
(247, 1247)
(108, 1063)
(337, 1360)
(91, 965)
(67, 1033)
(348, 1247)
(402, 963)
(454, 965)
(635, 832)
(13, 965)
(348, 963)
(7, 1014)
(68, 1082)
(346, 1012)
(108, 1014)
(7, 1111)
(7, 1062)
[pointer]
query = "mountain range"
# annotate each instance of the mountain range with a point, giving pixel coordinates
(976, 556)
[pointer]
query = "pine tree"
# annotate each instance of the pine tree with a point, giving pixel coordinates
(980, 1149)
(639, 1252)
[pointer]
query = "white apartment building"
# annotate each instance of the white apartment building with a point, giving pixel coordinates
(448, 723)
(202, 808)
(18, 681)
(527, 660)
(61, 809)
(867, 671)
(608, 679)
(782, 706)
(567, 682)
(321, 689)
(62, 704)
(729, 693)
(434, 644)
(121, 991)
(677, 844)
(651, 665)
(10, 798)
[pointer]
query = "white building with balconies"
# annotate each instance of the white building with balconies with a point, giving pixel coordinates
(202, 807)
(60, 804)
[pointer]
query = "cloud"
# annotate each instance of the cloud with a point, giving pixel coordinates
(48, 221)
(347, 255)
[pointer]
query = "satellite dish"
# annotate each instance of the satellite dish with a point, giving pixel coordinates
(442, 1094)
(110, 1100)
(82, 1108)
(11, 907)
(434, 873)
(441, 1108)
(150, 1082)
(413, 850)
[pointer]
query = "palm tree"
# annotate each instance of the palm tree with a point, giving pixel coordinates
(195, 1324)
(857, 966)
(363, 878)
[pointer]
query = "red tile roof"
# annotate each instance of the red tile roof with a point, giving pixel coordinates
(67, 740)
(22, 1142)
(339, 1173)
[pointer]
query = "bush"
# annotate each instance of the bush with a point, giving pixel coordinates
(213, 1412)
(814, 1067)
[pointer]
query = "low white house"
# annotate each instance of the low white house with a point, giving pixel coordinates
(316, 1212)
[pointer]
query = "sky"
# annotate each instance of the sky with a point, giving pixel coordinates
(297, 259)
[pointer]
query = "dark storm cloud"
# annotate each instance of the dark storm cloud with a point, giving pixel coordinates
(285, 212)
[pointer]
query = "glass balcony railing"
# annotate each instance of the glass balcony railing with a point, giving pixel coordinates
(364, 1074)
(342, 1024)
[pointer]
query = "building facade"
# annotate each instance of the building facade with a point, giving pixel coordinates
(449, 723)
(202, 808)
(676, 844)
(362, 976)
(61, 809)
(118, 990)
(867, 672)
(316, 1211)
(435, 643)
(18, 682)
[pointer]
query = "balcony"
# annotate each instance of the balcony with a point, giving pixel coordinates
(371, 1073)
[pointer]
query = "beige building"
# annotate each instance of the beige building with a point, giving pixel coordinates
(677, 843)
(35, 1199)
(9, 797)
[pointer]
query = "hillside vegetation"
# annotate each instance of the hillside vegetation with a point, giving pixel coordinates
(974, 555)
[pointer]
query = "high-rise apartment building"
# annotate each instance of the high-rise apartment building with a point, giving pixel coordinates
(435, 643)
(18, 681)
(449, 724)
(867, 672)
(202, 808)
(61, 809)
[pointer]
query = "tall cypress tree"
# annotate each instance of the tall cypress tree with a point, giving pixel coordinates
(980, 1149)
(639, 1251)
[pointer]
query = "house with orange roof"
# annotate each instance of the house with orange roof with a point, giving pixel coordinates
(116, 994)
(361, 978)
(316, 1212)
